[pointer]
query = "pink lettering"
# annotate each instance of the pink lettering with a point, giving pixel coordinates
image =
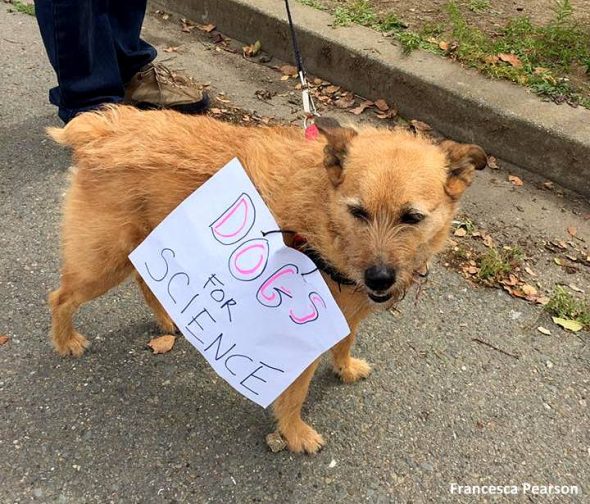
(235, 223)
(249, 260)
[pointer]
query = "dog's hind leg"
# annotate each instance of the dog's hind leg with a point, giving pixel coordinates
(77, 288)
(348, 368)
(95, 249)
(299, 436)
(162, 317)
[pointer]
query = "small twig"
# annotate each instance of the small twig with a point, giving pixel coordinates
(477, 340)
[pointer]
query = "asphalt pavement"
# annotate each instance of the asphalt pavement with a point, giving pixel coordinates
(123, 425)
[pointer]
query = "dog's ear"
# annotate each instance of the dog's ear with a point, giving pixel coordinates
(464, 159)
(337, 147)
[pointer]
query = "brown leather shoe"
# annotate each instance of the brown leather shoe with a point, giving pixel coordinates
(156, 86)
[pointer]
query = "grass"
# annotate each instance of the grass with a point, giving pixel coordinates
(495, 263)
(360, 12)
(22, 7)
(479, 5)
(546, 53)
(563, 304)
(357, 12)
(553, 59)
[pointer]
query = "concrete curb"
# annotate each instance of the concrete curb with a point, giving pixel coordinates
(508, 121)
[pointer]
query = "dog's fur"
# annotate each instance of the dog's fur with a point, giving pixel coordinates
(133, 168)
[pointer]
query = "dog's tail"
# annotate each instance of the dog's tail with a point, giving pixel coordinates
(90, 126)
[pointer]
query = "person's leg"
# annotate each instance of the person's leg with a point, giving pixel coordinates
(148, 85)
(79, 42)
(133, 53)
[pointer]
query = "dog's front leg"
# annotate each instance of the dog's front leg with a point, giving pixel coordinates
(348, 368)
(299, 436)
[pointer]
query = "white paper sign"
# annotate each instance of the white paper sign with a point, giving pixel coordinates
(258, 311)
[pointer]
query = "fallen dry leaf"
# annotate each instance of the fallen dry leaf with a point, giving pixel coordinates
(331, 89)
(491, 60)
(207, 28)
(252, 49)
(492, 163)
(219, 39)
(361, 108)
(510, 281)
(187, 25)
(420, 126)
(275, 442)
(570, 325)
(381, 104)
(171, 49)
(572, 231)
(488, 241)
(516, 181)
(263, 94)
(548, 185)
(529, 290)
(162, 344)
(390, 114)
(557, 261)
(518, 293)
(3, 339)
(512, 59)
(544, 331)
(460, 232)
(443, 45)
(285, 77)
(288, 70)
(344, 102)
(530, 271)
(543, 300)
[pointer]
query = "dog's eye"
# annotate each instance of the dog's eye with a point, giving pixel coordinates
(359, 213)
(412, 217)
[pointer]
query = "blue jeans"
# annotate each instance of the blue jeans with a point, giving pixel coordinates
(94, 48)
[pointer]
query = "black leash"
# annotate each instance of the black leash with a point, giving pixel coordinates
(308, 105)
(296, 51)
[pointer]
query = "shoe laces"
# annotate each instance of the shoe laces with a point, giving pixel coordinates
(165, 76)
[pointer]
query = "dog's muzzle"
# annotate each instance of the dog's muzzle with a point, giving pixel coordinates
(378, 280)
(380, 298)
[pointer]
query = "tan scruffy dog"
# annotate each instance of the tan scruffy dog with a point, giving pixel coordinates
(372, 207)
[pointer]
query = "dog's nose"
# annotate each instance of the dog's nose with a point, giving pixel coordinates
(379, 277)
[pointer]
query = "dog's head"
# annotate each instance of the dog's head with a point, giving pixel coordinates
(392, 202)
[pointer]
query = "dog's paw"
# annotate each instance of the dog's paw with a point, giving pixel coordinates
(167, 326)
(355, 370)
(75, 345)
(302, 438)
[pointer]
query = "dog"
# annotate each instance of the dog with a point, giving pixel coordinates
(370, 206)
